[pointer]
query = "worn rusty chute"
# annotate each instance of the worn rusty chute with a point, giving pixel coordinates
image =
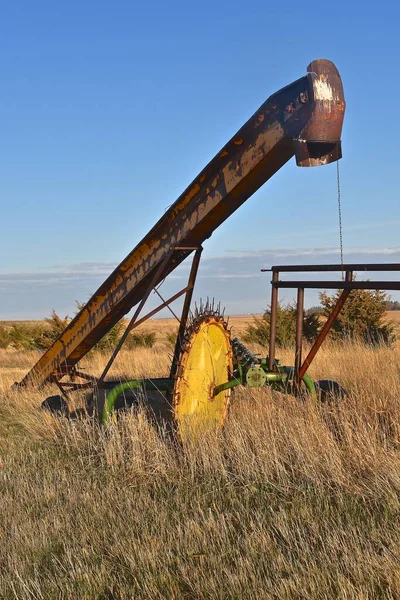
(303, 119)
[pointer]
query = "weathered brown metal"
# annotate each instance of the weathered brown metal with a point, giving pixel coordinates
(185, 312)
(374, 267)
(347, 286)
(157, 276)
(341, 285)
(164, 304)
(299, 333)
(60, 386)
(305, 118)
(135, 322)
(87, 376)
(72, 387)
(324, 126)
(272, 321)
(326, 328)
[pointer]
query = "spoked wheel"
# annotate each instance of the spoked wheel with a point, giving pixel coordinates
(205, 362)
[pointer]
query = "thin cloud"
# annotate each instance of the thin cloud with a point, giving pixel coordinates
(225, 265)
(285, 252)
(58, 287)
(318, 231)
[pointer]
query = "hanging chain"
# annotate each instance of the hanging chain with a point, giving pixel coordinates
(340, 217)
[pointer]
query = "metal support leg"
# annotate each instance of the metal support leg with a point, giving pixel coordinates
(299, 333)
(154, 281)
(62, 389)
(272, 321)
(326, 328)
(185, 311)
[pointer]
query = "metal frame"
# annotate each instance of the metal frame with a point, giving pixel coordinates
(162, 269)
(347, 284)
(295, 121)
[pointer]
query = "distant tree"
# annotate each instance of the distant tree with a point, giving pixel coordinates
(5, 339)
(315, 310)
(18, 336)
(361, 317)
(134, 339)
(111, 338)
(258, 331)
(171, 337)
(392, 305)
(54, 326)
(138, 339)
(40, 336)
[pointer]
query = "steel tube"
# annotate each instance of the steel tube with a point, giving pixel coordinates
(157, 276)
(185, 311)
(272, 321)
(335, 267)
(160, 307)
(340, 285)
(326, 328)
(299, 333)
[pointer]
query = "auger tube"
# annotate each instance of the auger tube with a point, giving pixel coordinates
(304, 119)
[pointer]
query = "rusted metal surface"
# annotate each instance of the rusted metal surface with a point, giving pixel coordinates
(373, 267)
(319, 142)
(185, 312)
(326, 327)
(323, 333)
(347, 286)
(299, 333)
(272, 323)
(157, 276)
(304, 118)
(341, 285)
(134, 322)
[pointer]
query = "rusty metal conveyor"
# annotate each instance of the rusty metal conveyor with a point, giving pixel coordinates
(303, 119)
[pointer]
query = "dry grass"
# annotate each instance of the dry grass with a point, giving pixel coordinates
(292, 501)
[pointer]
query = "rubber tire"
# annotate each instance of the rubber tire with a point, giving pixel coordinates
(329, 390)
(56, 405)
(127, 400)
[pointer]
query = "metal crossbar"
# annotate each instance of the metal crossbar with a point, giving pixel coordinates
(346, 286)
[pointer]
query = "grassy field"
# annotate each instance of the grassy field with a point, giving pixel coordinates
(292, 501)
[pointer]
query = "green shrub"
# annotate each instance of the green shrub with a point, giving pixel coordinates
(24, 336)
(140, 340)
(52, 329)
(109, 341)
(171, 337)
(55, 325)
(392, 305)
(361, 318)
(20, 336)
(5, 338)
(258, 332)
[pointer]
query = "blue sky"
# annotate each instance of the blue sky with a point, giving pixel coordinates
(110, 109)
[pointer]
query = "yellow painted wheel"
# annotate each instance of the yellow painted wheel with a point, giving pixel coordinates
(206, 362)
